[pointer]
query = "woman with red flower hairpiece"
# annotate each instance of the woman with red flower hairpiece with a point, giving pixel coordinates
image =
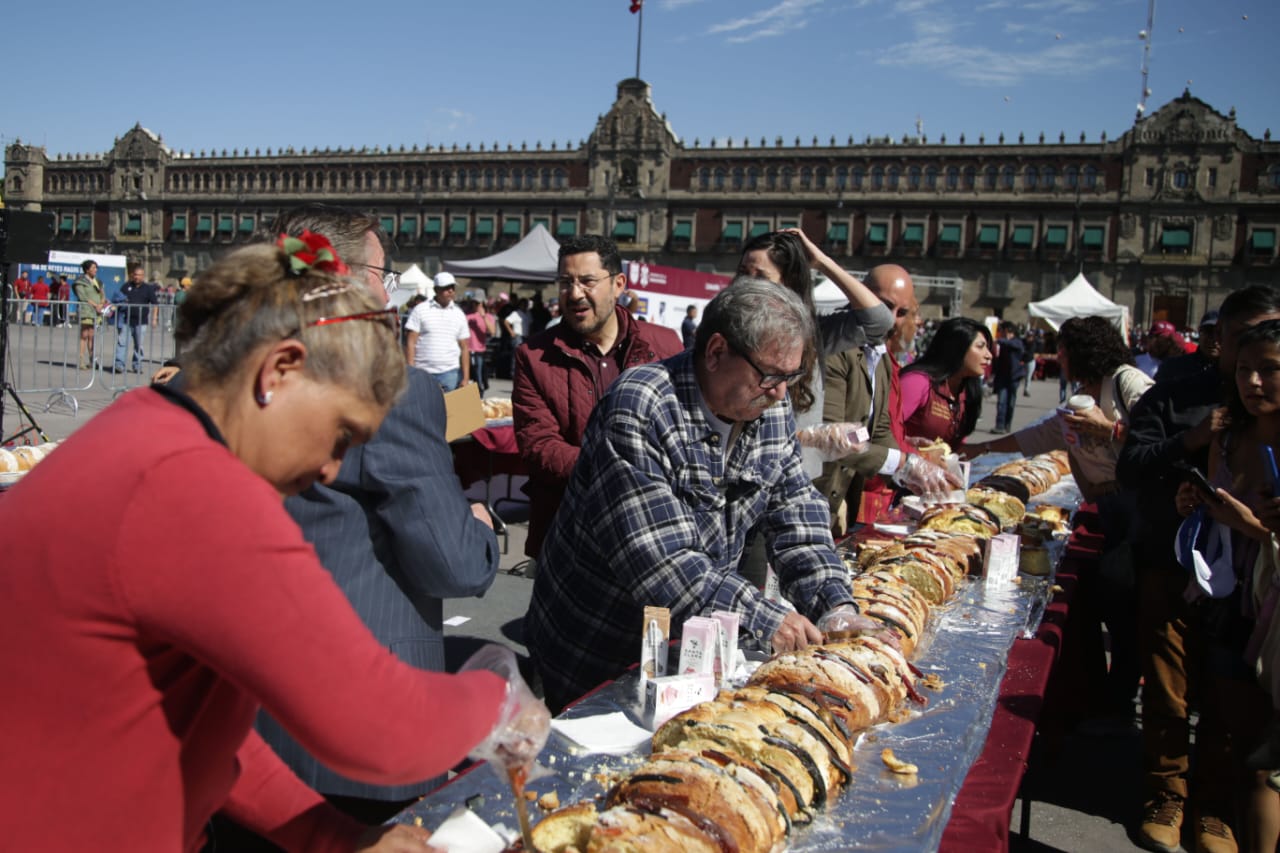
(145, 638)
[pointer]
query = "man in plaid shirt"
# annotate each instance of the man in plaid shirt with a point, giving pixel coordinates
(680, 460)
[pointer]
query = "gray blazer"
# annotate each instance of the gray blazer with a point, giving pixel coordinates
(398, 536)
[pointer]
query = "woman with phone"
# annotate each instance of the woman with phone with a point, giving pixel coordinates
(1241, 626)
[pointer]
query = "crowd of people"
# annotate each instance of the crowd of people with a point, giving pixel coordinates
(223, 677)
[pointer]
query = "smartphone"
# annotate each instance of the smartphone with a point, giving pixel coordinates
(1270, 471)
(1197, 478)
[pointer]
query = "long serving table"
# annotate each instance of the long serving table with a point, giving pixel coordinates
(994, 650)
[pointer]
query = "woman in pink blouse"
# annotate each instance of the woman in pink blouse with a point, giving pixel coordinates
(942, 391)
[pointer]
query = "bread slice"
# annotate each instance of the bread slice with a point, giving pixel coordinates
(565, 829)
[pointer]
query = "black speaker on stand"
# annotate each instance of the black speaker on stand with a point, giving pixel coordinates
(25, 238)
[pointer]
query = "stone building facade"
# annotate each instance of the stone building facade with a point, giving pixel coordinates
(1168, 218)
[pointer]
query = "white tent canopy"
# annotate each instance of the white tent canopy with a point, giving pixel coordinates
(414, 279)
(535, 258)
(1079, 299)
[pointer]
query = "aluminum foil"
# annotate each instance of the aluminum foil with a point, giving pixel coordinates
(967, 647)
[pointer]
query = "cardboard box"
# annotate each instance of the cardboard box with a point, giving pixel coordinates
(464, 415)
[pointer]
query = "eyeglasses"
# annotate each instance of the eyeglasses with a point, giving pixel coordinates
(586, 282)
(390, 278)
(768, 380)
(389, 317)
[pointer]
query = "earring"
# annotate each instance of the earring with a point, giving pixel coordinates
(263, 398)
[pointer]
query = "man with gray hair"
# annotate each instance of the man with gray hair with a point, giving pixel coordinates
(680, 459)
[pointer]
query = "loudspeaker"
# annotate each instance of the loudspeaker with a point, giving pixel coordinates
(25, 236)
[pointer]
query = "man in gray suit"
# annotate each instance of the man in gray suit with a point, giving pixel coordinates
(394, 530)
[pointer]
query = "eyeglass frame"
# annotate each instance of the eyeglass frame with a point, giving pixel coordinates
(768, 381)
(390, 278)
(566, 283)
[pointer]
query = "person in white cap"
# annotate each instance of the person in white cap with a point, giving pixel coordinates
(439, 339)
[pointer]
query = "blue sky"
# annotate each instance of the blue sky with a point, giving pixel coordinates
(242, 74)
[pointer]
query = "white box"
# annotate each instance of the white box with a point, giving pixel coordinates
(667, 696)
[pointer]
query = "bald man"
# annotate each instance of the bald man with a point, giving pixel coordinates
(861, 386)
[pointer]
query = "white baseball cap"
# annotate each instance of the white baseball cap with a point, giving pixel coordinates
(445, 279)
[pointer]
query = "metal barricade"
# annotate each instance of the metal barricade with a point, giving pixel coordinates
(46, 354)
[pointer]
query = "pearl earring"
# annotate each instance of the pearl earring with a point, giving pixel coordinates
(263, 398)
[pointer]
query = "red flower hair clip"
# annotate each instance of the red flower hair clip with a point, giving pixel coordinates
(311, 251)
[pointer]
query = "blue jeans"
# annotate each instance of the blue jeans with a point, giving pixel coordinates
(477, 371)
(1006, 396)
(449, 379)
(123, 334)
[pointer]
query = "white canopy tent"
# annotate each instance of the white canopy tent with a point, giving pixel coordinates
(1080, 299)
(535, 258)
(413, 282)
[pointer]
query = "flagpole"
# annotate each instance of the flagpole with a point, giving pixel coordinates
(639, 32)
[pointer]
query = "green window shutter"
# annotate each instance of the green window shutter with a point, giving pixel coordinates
(624, 229)
(179, 223)
(540, 220)
(950, 235)
(388, 224)
(86, 223)
(758, 229)
(226, 224)
(67, 225)
(1092, 237)
(1176, 238)
(409, 226)
(246, 224)
(567, 228)
(878, 233)
(1023, 236)
(838, 232)
(432, 226)
(484, 226)
(204, 225)
(511, 228)
(682, 231)
(133, 224)
(732, 231)
(788, 224)
(913, 234)
(1055, 236)
(458, 226)
(989, 235)
(1262, 240)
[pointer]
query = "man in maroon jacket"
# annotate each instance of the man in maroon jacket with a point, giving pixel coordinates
(562, 372)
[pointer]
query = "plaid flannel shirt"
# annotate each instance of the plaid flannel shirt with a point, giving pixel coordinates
(656, 515)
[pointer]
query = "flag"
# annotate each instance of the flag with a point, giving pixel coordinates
(635, 5)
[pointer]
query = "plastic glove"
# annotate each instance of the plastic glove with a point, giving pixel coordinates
(834, 441)
(924, 478)
(524, 723)
(845, 621)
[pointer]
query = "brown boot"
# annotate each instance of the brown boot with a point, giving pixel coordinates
(1161, 828)
(1214, 836)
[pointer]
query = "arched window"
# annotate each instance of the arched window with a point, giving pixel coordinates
(1007, 175)
(488, 179)
(1048, 177)
(820, 177)
(913, 178)
(990, 177)
(704, 178)
(969, 177)
(545, 175)
(842, 177)
(931, 178)
(1275, 177)
(1071, 177)
(475, 180)
(787, 175)
(1029, 177)
(877, 177)
(894, 172)
(738, 176)
(359, 181)
(530, 177)
(953, 178)
(502, 179)
(856, 177)
(1090, 177)
(560, 179)
(1181, 178)
(310, 182)
(806, 177)
(753, 177)
(719, 178)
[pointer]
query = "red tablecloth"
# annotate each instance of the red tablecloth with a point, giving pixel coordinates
(1055, 664)
(486, 452)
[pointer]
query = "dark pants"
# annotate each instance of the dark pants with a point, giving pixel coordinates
(477, 371)
(1006, 398)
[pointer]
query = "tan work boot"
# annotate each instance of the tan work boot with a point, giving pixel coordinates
(1161, 828)
(1214, 836)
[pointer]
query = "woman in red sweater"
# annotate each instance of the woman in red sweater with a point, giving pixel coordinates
(942, 390)
(138, 643)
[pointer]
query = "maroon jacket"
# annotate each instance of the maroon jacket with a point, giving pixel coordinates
(552, 398)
